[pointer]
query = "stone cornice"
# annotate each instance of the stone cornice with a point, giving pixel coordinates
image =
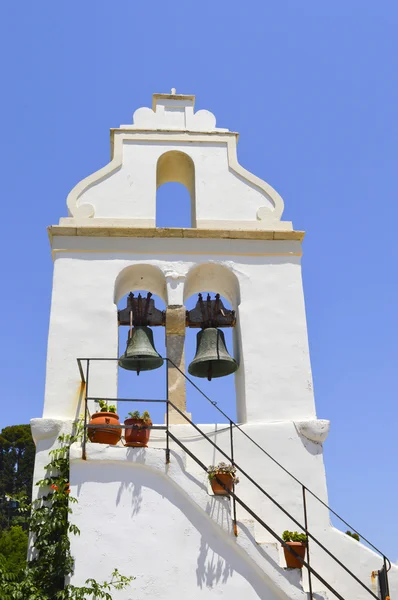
(174, 132)
(172, 232)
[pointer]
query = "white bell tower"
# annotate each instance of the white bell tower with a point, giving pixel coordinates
(155, 519)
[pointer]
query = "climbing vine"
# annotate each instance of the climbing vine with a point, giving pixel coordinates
(44, 576)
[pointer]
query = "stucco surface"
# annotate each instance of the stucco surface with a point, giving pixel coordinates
(274, 379)
(159, 524)
(132, 507)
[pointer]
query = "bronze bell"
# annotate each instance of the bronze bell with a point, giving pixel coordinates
(141, 354)
(212, 358)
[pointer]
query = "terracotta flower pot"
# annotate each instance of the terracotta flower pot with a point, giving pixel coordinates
(291, 561)
(226, 479)
(137, 436)
(105, 435)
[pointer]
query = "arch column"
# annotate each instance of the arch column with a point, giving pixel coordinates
(175, 346)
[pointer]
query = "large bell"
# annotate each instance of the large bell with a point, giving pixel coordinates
(211, 358)
(140, 353)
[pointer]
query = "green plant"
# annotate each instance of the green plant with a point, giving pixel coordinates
(353, 535)
(222, 469)
(136, 415)
(294, 536)
(17, 457)
(43, 578)
(105, 408)
(14, 548)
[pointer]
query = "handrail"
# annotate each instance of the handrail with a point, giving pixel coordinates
(258, 486)
(259, 520)
(237, 426)
(232, 425)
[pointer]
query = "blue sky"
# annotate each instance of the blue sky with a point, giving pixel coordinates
(311, 86)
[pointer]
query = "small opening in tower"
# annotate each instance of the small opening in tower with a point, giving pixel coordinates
(173, 206)
(175, 184)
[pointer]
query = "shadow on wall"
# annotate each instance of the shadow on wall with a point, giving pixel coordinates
(312, 447)
(218, 558)
(211, 567)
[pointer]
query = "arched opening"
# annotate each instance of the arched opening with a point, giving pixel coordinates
(148, 384)
(175, 185)
(219, 389)
(141, 279)
(227, 391)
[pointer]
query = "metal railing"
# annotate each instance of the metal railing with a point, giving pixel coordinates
(235, 498)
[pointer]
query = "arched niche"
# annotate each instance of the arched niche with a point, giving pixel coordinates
(218, 279)
(177, 167)
(140, 277)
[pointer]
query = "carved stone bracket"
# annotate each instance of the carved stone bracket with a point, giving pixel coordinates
(43, 429)
(316, 431)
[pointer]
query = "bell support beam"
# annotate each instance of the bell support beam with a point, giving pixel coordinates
(144, 312)
(175, 343)
(210, 313)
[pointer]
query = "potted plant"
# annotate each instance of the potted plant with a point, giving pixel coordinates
(137, 429)
(226, 474)
(107, 416)
(298, 542)
(353, 535)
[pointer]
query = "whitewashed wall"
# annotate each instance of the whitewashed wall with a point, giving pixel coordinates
(159, 524)
(262, 280)
(162, 524)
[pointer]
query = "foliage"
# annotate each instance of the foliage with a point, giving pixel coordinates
(136, 415)
(22, 587)
(294, 536)
(105, 408)
(353, 535)
(43, 578)
(14, 548)
(94, 589)
(17, 455)
(224, 469)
